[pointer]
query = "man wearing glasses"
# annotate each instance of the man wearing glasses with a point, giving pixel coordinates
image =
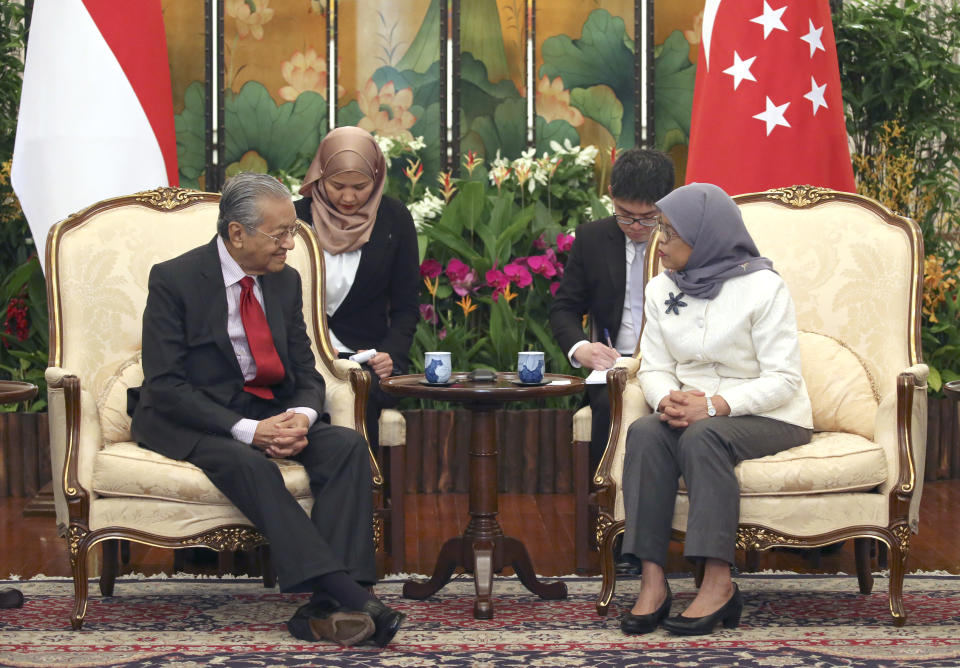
(230, 381)
(603, 277)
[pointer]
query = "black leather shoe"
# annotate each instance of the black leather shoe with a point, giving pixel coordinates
(11, 598)
(728, 614)
(387, 621)
(326, 620)
(632, 624)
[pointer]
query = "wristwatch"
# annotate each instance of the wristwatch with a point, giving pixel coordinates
(711, 410)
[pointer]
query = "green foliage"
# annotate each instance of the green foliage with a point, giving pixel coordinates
(12, 41)
(895, 68)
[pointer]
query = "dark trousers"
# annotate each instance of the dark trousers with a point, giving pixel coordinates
(337, 536)
(376, 402)
(705, 454)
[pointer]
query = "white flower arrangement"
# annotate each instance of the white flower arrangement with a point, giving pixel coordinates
(429, 207)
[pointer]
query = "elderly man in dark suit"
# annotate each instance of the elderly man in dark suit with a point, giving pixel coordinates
(603, 277)
(230, 380)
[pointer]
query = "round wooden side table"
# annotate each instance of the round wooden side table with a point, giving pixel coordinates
(483, 549)
(12, 391)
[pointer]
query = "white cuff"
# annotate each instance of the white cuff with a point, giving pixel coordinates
(574, 363)
(244, 430)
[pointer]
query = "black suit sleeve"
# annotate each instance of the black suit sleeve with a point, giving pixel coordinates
(166, 387)
(572, 301)
(404, 308)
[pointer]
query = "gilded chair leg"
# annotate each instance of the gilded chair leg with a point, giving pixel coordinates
(108, 572)
(607, 571)
(78, 563)
(398, 538)
(898, 568)
(862, 548)
(581, 511)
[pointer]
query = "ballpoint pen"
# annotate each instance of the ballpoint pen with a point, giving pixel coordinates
(606, 335)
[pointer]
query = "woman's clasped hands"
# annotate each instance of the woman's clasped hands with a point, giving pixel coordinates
(681, 408)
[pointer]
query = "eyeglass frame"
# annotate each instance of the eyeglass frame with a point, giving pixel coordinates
(630, 220)
(665, 233)
(290, 232)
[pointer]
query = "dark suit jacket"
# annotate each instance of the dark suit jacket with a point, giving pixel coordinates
(594, 282)
(192, 381)
(382, 308)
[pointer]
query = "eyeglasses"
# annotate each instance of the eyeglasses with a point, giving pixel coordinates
(666, 232)
(289, 232)
(649, 220)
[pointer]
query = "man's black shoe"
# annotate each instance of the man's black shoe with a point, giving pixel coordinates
(386, 620)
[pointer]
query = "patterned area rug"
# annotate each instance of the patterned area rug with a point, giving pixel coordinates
(788, 621)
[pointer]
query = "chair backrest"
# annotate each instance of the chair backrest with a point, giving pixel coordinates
(854, 269)
(98, 263)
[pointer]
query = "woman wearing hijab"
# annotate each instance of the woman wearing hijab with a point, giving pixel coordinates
(721, 365)
(370, 251)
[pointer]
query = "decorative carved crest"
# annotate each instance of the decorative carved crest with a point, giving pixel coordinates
(801, 196)
(902, 533)
(75, 534)
(234, 538)
(378, 532)
(169, 198)
(756, 538)
(604, 522)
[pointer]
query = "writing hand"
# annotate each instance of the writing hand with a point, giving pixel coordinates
(596, 355)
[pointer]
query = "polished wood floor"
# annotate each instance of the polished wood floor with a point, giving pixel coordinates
(29, 546)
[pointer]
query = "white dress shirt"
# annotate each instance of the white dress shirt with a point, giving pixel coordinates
(742, 345)
(341, 272)
(245, 428)
(626, 342)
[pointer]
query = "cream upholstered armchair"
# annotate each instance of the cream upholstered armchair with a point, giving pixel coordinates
(855, 273)
(107, 488)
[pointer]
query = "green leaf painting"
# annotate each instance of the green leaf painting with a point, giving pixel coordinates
(191, 141)
(674, 77)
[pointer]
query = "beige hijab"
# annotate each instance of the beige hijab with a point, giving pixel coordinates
(345, 149)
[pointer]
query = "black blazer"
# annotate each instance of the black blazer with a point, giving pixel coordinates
(594, 281)
(382, 307)
(192, 380)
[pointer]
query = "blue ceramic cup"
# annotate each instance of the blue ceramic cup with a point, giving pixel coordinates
(437, 367)
(530, 367)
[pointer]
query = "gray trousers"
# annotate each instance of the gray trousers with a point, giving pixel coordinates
(705, 454)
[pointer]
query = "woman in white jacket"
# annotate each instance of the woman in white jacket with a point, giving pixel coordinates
(720, 364)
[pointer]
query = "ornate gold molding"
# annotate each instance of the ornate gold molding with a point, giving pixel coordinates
(756, 538)
(801, 196)
(901, 533)
(378, 532)
(169, 198)
(604, 522)
(234, 538)
(75, 534)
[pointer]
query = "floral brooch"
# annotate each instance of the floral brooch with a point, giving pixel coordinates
(674, 304)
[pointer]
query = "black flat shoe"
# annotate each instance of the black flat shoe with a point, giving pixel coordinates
(386, 620)
(632, 624)
(728, 614)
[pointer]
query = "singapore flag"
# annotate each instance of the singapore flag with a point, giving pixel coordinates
(96, 111)
(767, 108)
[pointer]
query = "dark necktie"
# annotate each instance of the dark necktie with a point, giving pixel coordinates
(269, 367)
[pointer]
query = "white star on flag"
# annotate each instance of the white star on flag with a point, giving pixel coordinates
(816, 96)
(786, 126)
(813, 38)
(773, 115)
(770, 19)
(740, 69)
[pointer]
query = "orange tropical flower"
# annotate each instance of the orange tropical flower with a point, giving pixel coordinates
(471, 161)
(249, 21)
(467, 305)
(508, 295)
(445, 179)
(553, 102)
(386, 110)
(937, 284)
(432, 285)
(414, 171)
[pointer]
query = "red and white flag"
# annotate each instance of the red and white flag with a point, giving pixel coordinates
(767, 109)
(96, 111)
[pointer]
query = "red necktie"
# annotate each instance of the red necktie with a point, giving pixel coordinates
(269, 367)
